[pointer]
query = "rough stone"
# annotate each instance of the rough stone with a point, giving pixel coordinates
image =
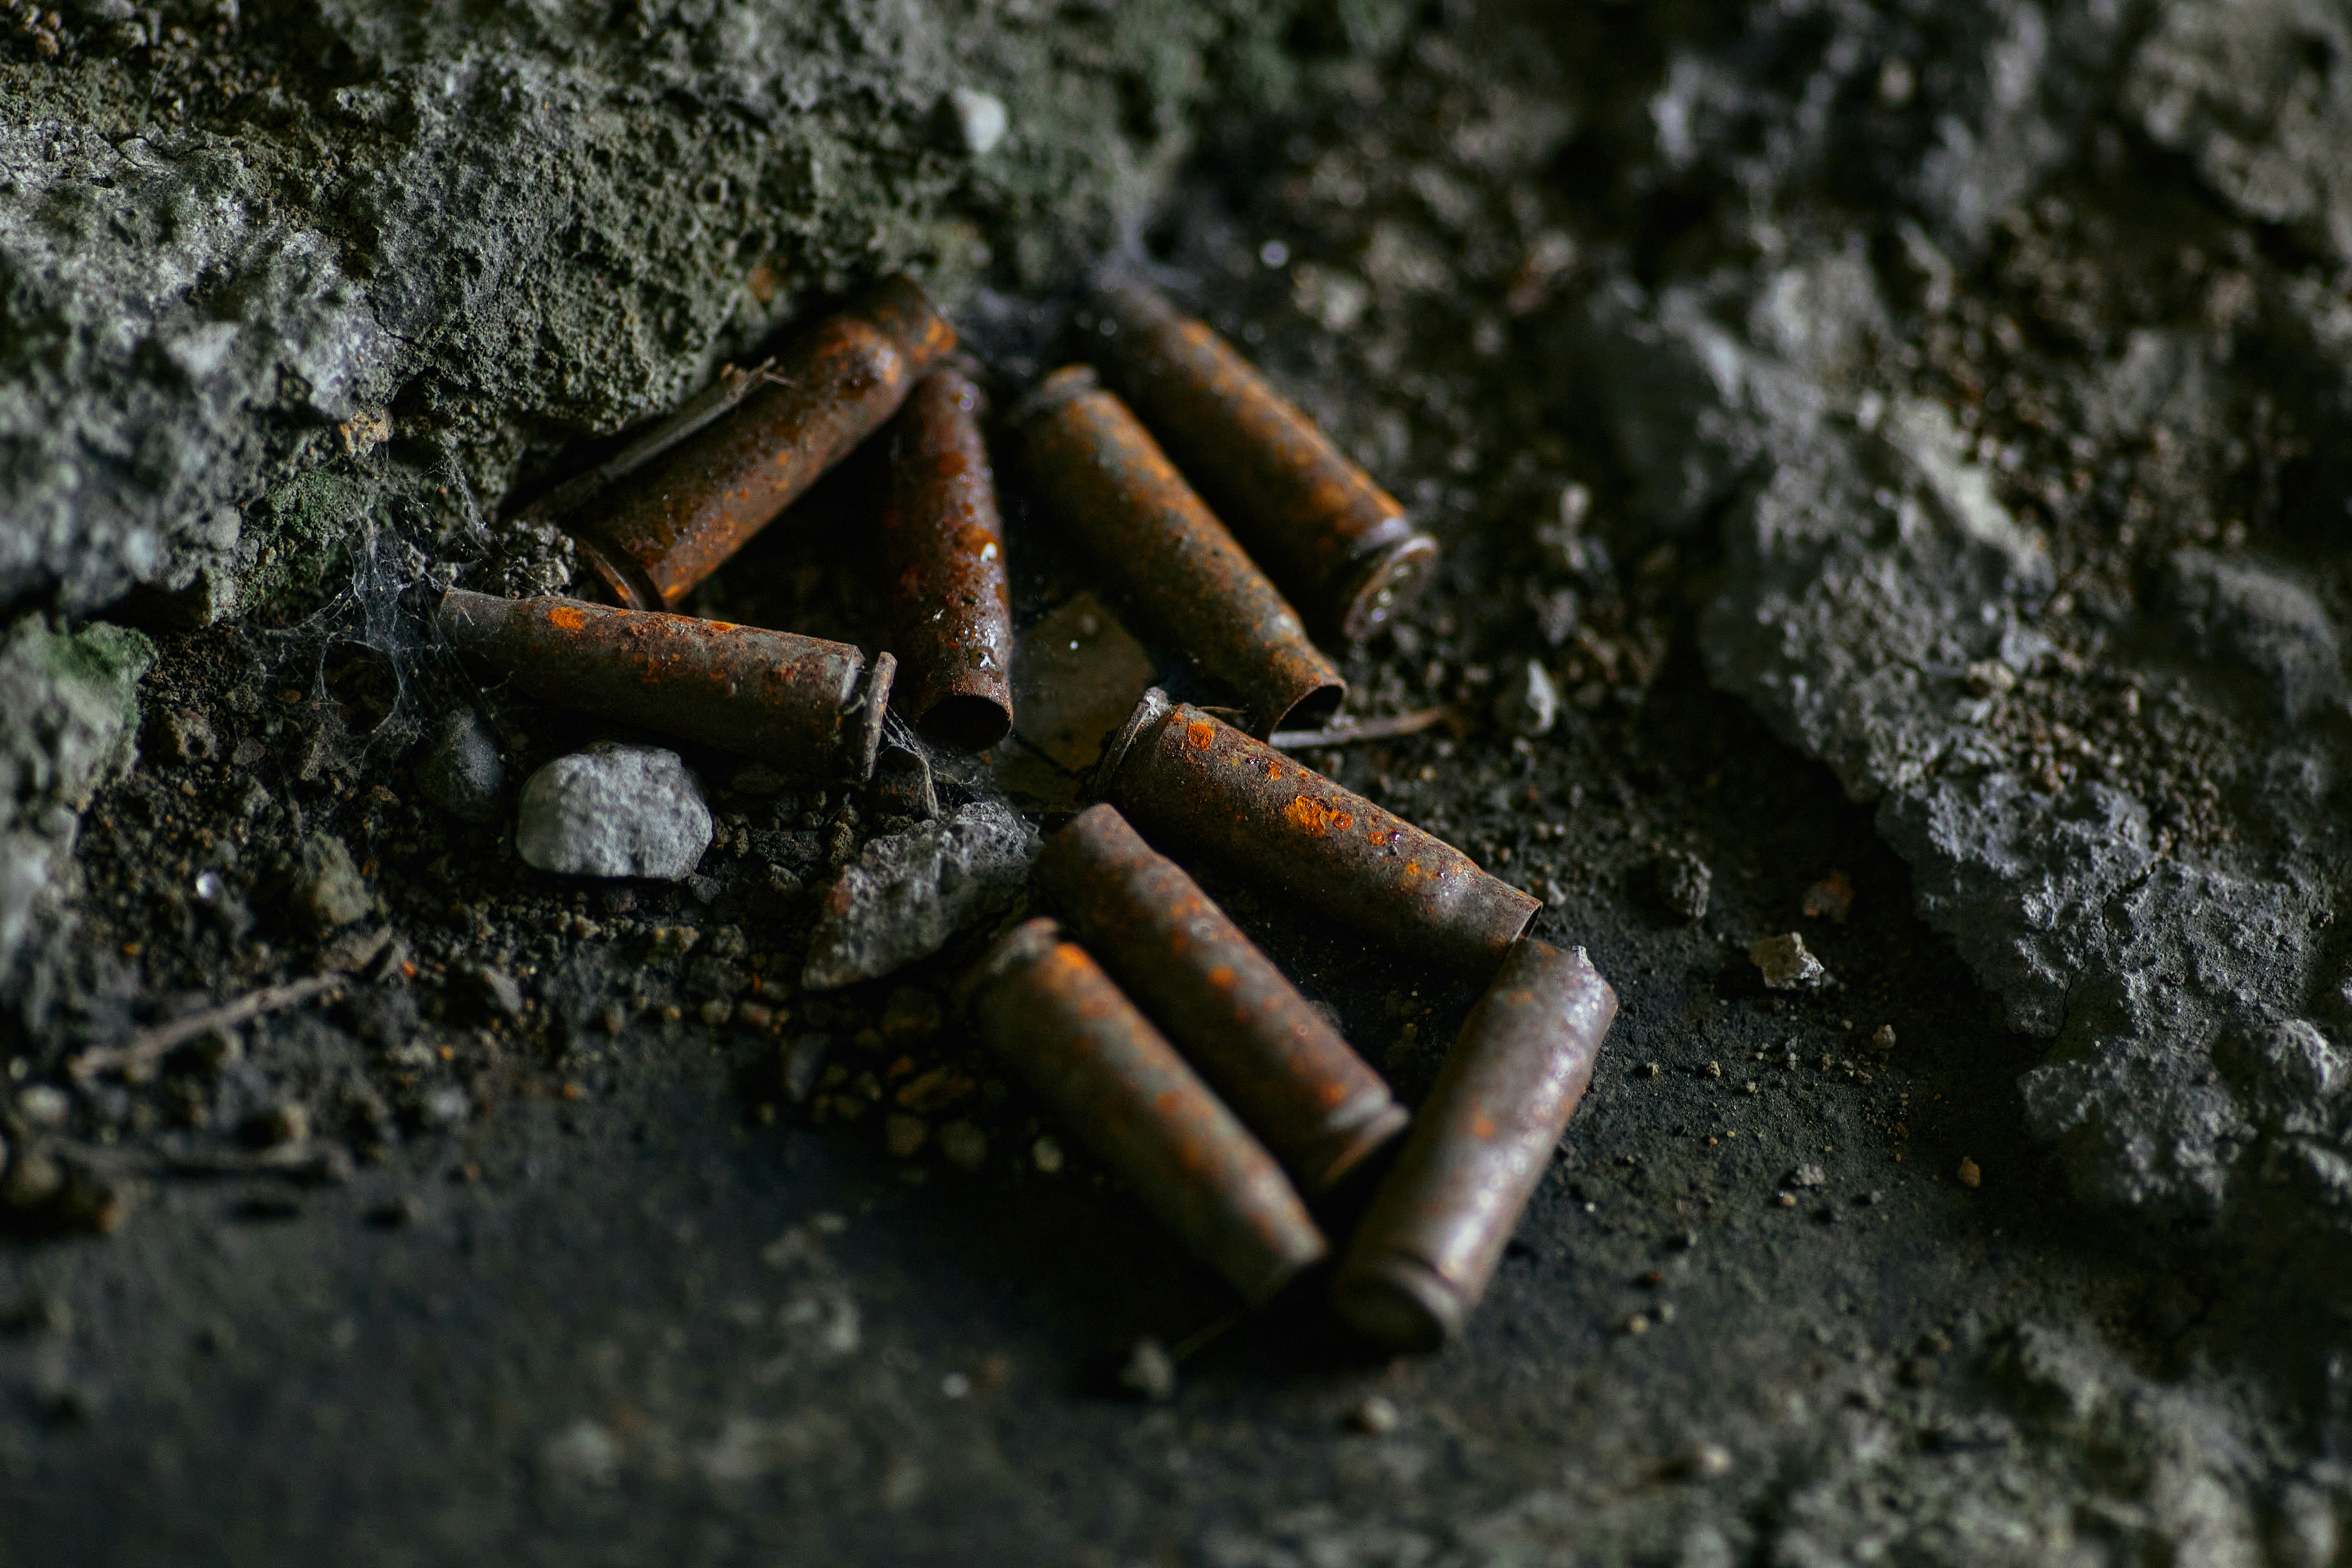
(613, 810)
(1786, 964)
(907, 893)
(462, 774)
(328, 891)
(72, 707)
(1528, 703)
(1679, 883)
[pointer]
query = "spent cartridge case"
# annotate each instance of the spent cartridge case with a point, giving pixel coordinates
(1074, 1037)
(1338, 545)
(1138, 523)
(1261, 1044)
(807, 707)
(655, 534)
(1193, 783)
(950, 608)
(1428, 1246)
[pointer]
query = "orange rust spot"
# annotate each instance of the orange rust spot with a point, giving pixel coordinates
(1200, 734)
(1222, 976)
(568, 618)
(1482, 1126)
(1318, 817)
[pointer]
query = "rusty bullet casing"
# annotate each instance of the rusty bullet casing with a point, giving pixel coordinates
(1480, 1143)
(1190, 780)
(1141, 525)
(666, 527)
(1235, 1016)
(807, 707)
(1338, 545)
(951, 609)
(1074, 1037)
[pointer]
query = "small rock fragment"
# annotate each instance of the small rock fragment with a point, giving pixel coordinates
(1989, 678)
(980, 118)
(286, 1122)
(497, 990)
(1700, 1462)
(185, 736)
(1786, 964)
(614, 811)
(34, 1179)
(910, 1017)
(803, 1063)
(1528, 703)
(1048, 1155)
(462, 774)
(1680, 882)
(905, 1135)
(327, 891)
(1831, 896)
(965, 1145)
(1806, 1175)
(1884, 1037)
(1149, 1372)
(44, 1107)
(1971, 1175)
(1375, 1417)
(909, 892)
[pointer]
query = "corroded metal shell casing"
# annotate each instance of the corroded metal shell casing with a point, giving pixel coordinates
(1480, 1143)
(1052, 1012)
(1190, 780)
(1114, 491)
(809, 708)
(656, 533)
(1235, 1016)
(951, 609)
(1338, 545)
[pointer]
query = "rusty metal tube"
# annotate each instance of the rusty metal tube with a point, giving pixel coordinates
(807, 707)
(1481, 1141)
(1139, 524)
(655, 534)
(1260, 1044)
(950, 608)
(1338, 545)
(1189, 781)
(1052, 1012)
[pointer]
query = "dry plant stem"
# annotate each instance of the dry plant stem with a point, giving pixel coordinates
(149, 1047)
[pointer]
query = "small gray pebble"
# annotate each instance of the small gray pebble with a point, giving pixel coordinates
(1529, 702)
(614, 811)
(328, 891)
(463, 774)
(1149, 1372)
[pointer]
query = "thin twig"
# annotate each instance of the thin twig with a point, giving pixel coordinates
(149, 1047)
(1386, 729)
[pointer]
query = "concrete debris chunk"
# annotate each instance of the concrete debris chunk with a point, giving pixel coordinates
(463, 774)
(328, 891)
(981, 120)
(1149, 1372)
(1529, 702)
(1681, 882)
(614, 811)
(1786, 964)
(907, 893)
